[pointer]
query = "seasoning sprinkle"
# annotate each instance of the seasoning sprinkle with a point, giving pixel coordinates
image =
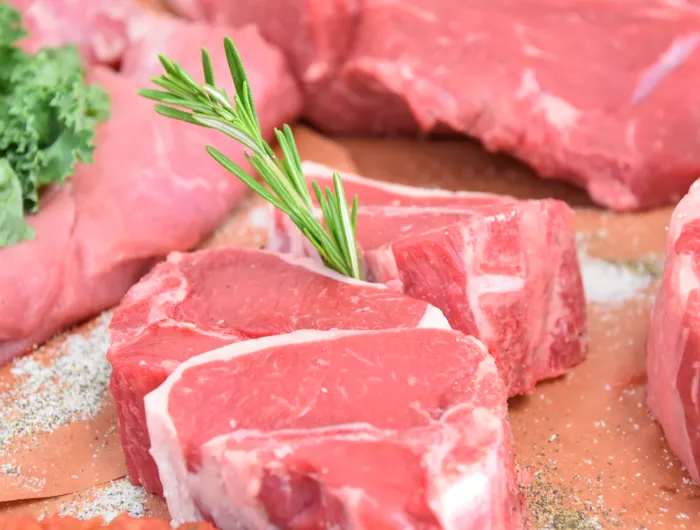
(119, 497)
(68, 388)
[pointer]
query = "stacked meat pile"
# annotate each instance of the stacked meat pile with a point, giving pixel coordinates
(257, 388)
(502, 270)
(620, 124)
(354, 62)
(260, 388)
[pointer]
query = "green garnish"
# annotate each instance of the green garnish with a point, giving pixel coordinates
(48, 117)
(208, 106)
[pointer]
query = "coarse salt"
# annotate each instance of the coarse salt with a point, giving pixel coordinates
(609, 283)
(70, 387)
(119, 497)
(10, 470)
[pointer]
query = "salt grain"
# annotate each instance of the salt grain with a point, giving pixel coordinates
(10, 470)
(609, 283)
(67, 389)
(119, 497)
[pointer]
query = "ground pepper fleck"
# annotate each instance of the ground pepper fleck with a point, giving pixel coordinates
(69, 387)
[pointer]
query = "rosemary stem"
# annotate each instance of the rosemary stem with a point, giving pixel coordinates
(181, 98)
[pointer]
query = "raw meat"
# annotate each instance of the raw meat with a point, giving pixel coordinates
(151, 189)
(506, 273)
(197, 302)
(620, 122)
(98, 28)
(315, 34)
(509, 276)
(673, 347)
(399, 429)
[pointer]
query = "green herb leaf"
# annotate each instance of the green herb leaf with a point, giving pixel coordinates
(13, 228)
(11, 29)
(48, 116)
(208, 106)
(208, 68)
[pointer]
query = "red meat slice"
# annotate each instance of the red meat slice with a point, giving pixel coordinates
(197, 302)
(400, 429)
(673, 347)
(505, 272)
(152, 189)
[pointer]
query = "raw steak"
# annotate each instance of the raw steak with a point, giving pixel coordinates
(618, 120)
(506, 273)
(673, 347)
(399, 429)
(197, 302)
(152, 189)
(98, 28)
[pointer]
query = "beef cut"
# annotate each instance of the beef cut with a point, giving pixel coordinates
(152, 189)
(398, 429)
(193, 303)
(617, 120)
(506, 272)
(673, 347)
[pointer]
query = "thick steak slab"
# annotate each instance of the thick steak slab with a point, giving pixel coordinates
(152, 189)
(400, 429)
(673, 347)
(505, 271)
(197, 302)
(621, 123)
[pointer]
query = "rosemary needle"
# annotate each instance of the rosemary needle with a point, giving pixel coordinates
(182, 98)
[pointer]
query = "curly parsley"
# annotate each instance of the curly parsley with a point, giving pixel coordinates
(48, 116)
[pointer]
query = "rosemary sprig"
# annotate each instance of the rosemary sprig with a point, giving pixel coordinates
(182, 98)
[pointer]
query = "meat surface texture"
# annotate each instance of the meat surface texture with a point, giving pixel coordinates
(197, 302)
(620, 123)
(98, 28)
(316, 35)
(505, 271)
(673, 347)
(152, 189)
(302, 428)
